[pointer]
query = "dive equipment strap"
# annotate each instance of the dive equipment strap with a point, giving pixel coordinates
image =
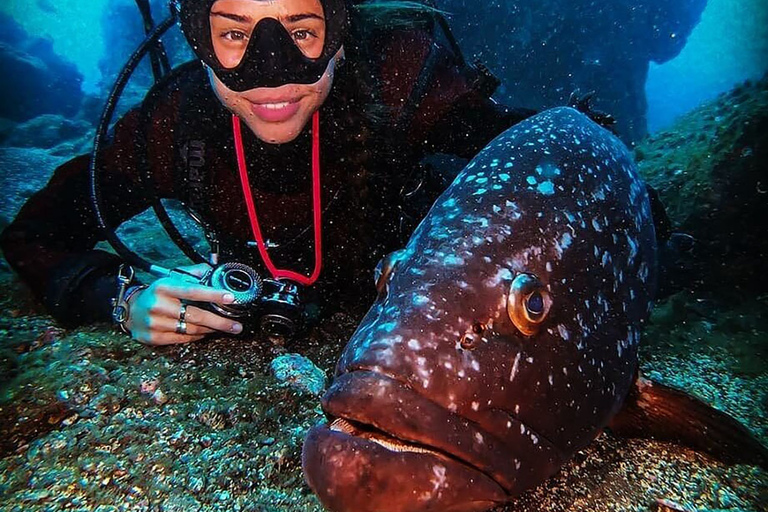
(316, 205)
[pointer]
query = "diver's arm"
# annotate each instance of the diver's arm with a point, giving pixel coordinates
(50, 242)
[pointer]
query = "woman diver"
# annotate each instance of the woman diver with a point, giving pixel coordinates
(361, 93)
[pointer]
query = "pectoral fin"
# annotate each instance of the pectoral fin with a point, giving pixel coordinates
(655, 411)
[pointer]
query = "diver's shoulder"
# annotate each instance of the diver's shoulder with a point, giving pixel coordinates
(181, 94)
(185, 77)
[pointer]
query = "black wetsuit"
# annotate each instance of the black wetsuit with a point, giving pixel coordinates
(373, 135)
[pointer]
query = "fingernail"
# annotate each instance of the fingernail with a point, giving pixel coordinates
(228, 297)
(237, 328)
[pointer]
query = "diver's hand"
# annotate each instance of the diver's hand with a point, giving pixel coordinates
(584, 105)
(155, 310)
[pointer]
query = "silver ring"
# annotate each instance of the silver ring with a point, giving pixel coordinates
(181, 327)
(183, 313)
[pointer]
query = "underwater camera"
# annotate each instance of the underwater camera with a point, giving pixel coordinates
(270, 306)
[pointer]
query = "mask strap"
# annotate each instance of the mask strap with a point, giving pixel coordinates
(316, 205)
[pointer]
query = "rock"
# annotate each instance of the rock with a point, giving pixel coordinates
(47, 131)
(51, 334)
(24, 172)
(543, 51)
(41, 80)
(7, 126)
(299, 372)
(148, 386)
(714, 188)
(184, 502)
(670, 506)
(159, 397)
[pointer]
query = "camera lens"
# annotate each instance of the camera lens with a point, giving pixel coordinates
(277, 326)
(282, 309)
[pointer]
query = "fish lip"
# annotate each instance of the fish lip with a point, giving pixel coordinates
(351, 389)
(351, 474)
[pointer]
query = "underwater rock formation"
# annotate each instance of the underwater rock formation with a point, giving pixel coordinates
(711, 173)
(545, 50)
(24, 172)
(47, 131)
(42, 81)
(123, 39)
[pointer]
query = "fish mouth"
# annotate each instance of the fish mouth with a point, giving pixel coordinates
(389, 448)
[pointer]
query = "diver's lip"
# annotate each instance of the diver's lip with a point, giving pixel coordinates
(275, 112)
(277, 99)
(260, 97)
(405, 421)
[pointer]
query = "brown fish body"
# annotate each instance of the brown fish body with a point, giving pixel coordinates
(505, 334)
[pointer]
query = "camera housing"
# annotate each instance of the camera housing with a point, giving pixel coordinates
(270, 306)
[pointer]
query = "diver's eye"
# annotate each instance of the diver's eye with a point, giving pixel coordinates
(528, 303)
(301, 35)
(235, 36)
(383, 271)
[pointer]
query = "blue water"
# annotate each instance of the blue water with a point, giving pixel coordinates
(729, 45)
(74, 26)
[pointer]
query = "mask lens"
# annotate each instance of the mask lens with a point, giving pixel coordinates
(274, 27)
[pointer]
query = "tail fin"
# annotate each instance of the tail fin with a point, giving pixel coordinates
(656, 411)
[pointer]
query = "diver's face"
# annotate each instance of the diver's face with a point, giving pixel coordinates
(274, 114)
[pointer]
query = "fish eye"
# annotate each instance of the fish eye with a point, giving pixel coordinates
(383, 271)
(534, 304)
(528, 303)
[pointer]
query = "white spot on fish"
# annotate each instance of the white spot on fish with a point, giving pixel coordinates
(452, 259)
(439, 478)
(501, 275)
(546, 188)
(514, 367)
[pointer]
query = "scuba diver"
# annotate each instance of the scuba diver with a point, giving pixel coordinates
(295, 140)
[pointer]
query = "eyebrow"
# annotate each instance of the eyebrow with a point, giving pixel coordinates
(231, 16)
(294, 18)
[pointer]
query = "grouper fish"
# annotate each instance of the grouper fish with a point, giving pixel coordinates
(505, 335)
